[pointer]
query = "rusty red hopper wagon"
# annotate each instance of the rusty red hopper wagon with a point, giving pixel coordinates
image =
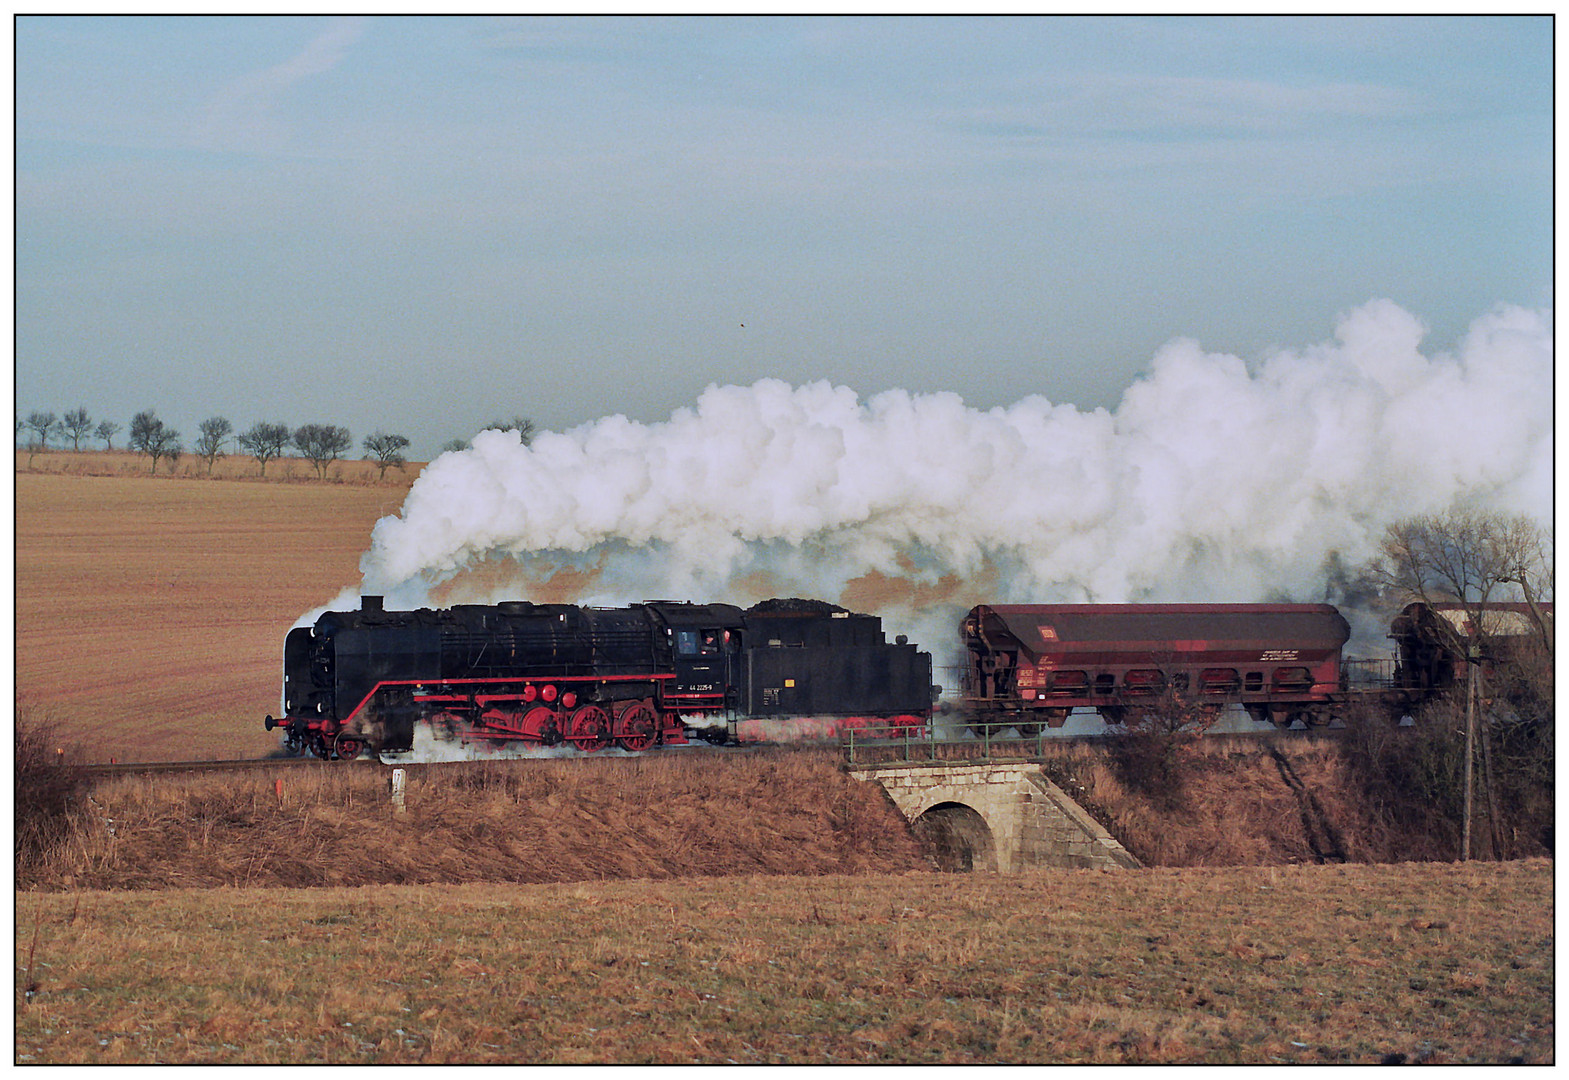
(1033, 664)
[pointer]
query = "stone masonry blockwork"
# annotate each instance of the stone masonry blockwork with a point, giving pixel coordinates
(1033, 822)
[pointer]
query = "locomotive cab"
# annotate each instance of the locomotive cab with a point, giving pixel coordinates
(705, 645)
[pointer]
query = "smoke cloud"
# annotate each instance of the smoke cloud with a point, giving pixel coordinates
(1214, 480)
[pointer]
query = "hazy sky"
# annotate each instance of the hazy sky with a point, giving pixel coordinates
(426, 224)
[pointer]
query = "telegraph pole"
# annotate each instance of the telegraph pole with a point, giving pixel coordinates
(1470, 745)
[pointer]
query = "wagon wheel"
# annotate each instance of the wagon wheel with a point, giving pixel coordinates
(349, 747)
(637, 727)
(1259, 714)
(1029, 731)
(589, 729)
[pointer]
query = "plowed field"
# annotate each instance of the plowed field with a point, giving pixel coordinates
(150, 612)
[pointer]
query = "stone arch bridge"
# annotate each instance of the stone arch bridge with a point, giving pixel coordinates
(1001, 816)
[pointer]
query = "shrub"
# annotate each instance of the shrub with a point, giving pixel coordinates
(50, 784)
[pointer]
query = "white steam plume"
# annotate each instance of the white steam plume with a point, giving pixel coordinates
(1214, 480)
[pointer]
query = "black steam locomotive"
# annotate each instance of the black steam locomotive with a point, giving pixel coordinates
(546, 674)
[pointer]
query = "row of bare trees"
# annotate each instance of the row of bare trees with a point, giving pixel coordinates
(76, 425)
(320, 444)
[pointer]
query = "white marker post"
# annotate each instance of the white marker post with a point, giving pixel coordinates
(397, 791)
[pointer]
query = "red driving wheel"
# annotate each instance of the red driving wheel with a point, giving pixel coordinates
(637, 726)
(589, 728)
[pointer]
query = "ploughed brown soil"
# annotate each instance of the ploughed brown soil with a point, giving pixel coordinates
(151, 611)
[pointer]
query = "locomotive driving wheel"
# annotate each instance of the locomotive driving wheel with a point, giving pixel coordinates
(637, 727)
(589, 728)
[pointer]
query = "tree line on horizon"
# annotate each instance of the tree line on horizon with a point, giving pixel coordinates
(320, 444)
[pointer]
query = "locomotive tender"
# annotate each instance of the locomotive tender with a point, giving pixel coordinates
(543, 674)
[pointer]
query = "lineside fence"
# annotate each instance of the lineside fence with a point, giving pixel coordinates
(890, 744)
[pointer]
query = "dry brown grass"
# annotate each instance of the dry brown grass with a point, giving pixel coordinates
(1312, 964)
(689, 814)
(1294, 801)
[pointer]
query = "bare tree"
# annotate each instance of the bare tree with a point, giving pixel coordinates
(106, 430)
(321, 444)
(525, 428)
(264, 441)
(151, 436)
(1471, 558)
(77, 426)
(209, 444)
(42, 425)
(387, 450)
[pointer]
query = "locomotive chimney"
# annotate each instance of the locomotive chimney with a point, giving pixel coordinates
(370, 603)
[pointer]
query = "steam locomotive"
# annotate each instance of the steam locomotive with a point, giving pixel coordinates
(548, 674)
(1031, 665)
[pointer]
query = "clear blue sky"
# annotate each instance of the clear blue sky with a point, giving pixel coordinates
(426, 224)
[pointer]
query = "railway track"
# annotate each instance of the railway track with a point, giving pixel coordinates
(126, 768)
(919, 751)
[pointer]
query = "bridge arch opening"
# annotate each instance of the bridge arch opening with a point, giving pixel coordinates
(957, 838)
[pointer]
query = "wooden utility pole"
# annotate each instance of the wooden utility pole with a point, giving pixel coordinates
(1470, 747)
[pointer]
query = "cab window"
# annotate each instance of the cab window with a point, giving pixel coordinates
(698, 642)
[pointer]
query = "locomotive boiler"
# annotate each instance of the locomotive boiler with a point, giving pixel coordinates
(547, 674)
